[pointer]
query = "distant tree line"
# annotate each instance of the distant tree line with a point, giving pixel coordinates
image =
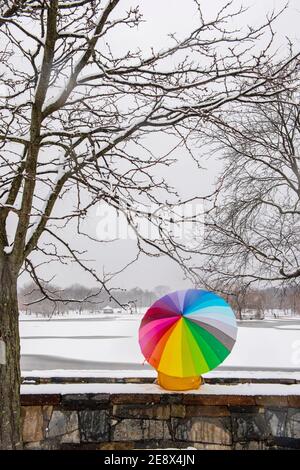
(280, 300)
(84, 299)
(81, 298)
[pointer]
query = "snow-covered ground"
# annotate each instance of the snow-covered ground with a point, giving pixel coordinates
(107, 345)
(79, 314)
(206, 389)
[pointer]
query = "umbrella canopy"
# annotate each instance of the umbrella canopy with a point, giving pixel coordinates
(187, 333)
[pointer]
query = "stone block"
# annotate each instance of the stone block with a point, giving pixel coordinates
(94, 425)
(140, 430)
(142, 411)
(249, 427)
(41, 399)
(32, 445)
(100, 398)
(71, 437)
(171, 398)
(84, 401)
(207, 430)
(48, 444)
(251, 445)
(116, 446)
(293, 423)
(178, 411)
(64, 424)
(250, 409)
(47, 413)
(286, 443)
(294, 401)
(206, 410)
(276, 421)
(218, 400)
(144, 398)
(200, 446)
(32, 423)
(270, 400)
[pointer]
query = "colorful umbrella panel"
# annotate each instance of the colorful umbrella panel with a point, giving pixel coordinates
(187, 333)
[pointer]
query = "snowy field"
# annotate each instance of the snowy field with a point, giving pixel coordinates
(107, 345)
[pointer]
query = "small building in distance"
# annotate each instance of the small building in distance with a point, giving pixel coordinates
(107, 309)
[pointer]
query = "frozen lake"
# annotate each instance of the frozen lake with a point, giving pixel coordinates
(108, 345)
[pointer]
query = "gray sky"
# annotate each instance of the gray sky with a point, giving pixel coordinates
(161, 18)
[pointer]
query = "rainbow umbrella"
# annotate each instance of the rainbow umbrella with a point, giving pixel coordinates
(187, 333)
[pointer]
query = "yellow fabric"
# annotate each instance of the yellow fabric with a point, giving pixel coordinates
(179, 383)
(171, 359)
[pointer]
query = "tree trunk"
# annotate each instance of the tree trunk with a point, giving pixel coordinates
(10, 423)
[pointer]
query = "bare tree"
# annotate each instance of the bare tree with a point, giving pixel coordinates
(253, 226)
(74, 116)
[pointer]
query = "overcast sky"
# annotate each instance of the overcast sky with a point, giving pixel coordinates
(161, 18)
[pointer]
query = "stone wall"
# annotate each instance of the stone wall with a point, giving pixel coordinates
(127, 421)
